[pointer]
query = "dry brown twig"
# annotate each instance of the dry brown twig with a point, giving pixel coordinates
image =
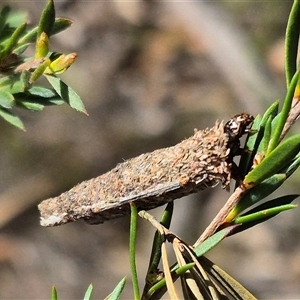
(293, 115)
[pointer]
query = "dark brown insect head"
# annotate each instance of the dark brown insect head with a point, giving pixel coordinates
(235, 128)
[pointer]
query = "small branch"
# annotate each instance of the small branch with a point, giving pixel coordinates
(293, 115)
(221, 216)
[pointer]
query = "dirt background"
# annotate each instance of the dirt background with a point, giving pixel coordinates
(149, 73)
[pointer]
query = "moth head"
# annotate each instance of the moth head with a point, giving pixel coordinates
(237, 126)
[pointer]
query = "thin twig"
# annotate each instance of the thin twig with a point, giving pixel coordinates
(221, 216)
(293, 116)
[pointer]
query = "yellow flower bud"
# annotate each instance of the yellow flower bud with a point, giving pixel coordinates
(61, 64)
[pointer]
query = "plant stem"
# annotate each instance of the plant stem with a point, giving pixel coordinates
(132, 249)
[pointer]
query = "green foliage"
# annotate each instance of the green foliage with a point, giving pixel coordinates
(19, 74)
(88, 293)
(267, 162)
(291, 42)
(54, 293)
(116, 294)
(274, 162)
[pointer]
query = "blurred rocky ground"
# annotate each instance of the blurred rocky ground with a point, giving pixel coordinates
(149, 73)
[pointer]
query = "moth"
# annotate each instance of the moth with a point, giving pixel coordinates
(153, 179)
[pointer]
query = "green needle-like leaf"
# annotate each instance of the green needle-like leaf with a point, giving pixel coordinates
(213, 241)
(36, 103)
(67, 93)
(265, 211)
(291, 42)
(263, 214)
(20, 49)
(276, 160)
(54, 293)
(255, 138)
(25, 78)
(275, 122)
(116, 294)
(47, 19)
(13, 40)
(251, 145)
(41, 91)
(257, 193)
(11, 84)
(4, 13)
(157, 241)
(60, 24)
(38, 72)
(7, 100)
(293, 167)
(263, 146)
(31, 105)
(88, 293)
(272, 112)
(258, 133)
(11, 118)
(284, 113)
